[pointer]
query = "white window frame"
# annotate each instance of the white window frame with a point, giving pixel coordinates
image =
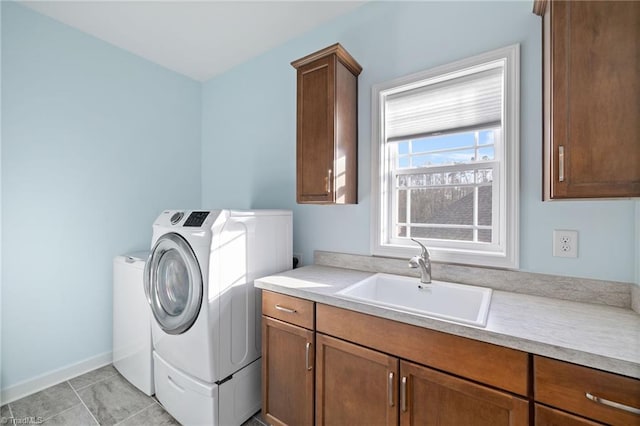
(504, 251)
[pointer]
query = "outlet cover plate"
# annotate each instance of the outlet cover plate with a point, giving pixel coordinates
(565, 243)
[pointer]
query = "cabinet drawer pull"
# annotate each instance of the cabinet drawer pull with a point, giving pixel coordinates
(612, 404)
(403, 395)
(327, 182)
(306, 356)
(287, 310)
(390, 388)
(561, 163)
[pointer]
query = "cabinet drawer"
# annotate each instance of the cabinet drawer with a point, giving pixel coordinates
(573, 388)
(483, 362)
(288, 308)
(546, 416)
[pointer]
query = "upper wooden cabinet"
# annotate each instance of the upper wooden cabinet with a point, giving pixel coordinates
(327, 127)
(591, 68)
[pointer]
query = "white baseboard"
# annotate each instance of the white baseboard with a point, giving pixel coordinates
(43, 381)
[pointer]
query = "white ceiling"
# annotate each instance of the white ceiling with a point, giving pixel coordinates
(199, 39)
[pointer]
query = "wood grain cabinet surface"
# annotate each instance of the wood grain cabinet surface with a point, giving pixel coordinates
(358, 380)
(594, 394)
(289, 309)
(359, 386)
(591, 98)
(287, 366)
(464, 357)
(327, 127)
(432, 398)
(547, 416)
(354, 385)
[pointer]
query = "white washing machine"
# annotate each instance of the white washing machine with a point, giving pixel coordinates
(132, 348)
(206, 333)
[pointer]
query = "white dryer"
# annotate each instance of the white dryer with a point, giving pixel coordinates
(206, 333)
(132, 347)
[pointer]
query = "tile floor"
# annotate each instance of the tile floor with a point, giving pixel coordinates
(99, 397)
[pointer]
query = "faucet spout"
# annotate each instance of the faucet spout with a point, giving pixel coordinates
(423, 261)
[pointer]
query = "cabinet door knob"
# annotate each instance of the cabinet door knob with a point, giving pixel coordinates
(561, 163)
(390, 389)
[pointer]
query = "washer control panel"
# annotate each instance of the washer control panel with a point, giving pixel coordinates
(196, 219)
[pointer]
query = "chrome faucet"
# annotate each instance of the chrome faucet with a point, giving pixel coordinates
(423, 262)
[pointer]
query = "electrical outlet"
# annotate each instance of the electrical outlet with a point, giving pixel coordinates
(565, 243)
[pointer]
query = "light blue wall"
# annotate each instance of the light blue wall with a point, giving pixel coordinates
(248, 133)
(96, 143)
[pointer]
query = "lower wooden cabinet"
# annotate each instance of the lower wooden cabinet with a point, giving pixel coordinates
(546, 416)
(330, 366)
(594, 394)
(468, 358)
(354, 385)
(360, 386)
(287, 373)
(429, 397)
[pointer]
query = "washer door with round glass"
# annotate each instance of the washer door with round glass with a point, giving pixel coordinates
(173, 283)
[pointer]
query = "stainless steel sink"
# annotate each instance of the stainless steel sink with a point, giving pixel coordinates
(442, 300)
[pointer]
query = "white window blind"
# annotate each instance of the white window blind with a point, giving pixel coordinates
(457, 104)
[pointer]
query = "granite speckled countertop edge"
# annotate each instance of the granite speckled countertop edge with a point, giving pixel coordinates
(597, 336)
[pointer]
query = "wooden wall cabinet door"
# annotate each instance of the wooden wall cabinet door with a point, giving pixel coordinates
(429, 397)
(354, 385)
(287, 373)
(591, 100)
(327, 127)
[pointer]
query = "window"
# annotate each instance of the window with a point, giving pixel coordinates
(445, 162)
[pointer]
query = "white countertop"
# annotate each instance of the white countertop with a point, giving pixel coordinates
(598, 336)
